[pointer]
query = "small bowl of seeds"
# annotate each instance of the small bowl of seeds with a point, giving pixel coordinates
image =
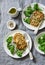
(11, 24)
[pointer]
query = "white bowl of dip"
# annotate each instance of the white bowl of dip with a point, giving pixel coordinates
(13, 12)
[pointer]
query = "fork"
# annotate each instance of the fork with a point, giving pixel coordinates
(30, 54)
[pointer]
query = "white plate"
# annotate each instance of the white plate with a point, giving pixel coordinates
(30, 26)
(36, 43)
(12, 34)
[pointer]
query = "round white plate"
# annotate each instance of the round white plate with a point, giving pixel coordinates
(30, 26)
(12, 34)
(36, 43)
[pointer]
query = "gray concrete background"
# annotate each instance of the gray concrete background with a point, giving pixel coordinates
(4, 17)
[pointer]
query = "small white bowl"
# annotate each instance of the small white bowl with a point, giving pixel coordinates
(13, 14)
(11, 24)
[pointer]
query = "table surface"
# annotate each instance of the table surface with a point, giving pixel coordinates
(4, 17)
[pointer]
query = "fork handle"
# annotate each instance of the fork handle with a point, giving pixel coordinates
(30, 55)
(36, 31)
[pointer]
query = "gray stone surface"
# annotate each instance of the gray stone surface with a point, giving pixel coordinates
(4, 17)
